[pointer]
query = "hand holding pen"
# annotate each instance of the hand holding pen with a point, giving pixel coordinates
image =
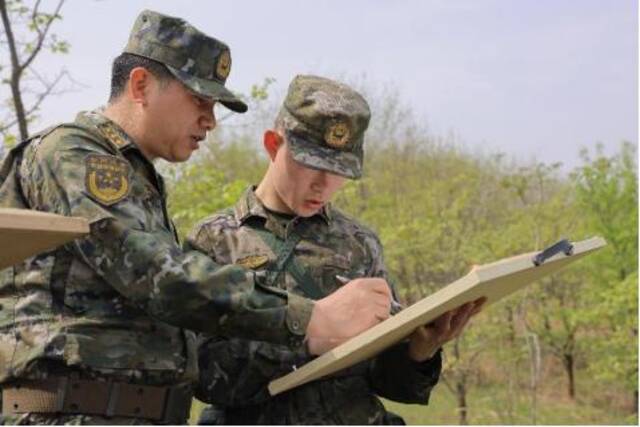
(396, 307)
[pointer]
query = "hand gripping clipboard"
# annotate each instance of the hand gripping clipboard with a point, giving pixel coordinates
(24, 233)
(494, 281)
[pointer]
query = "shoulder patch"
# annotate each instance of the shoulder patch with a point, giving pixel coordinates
(107, 178)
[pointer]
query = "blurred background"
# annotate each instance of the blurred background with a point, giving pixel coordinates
(498, 127)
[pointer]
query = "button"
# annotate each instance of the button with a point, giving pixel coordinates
(295, 325)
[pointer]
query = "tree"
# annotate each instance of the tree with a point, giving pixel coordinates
(26, 34)
(607, 191)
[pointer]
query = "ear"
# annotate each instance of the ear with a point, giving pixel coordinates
(272, 141)
(139, 82)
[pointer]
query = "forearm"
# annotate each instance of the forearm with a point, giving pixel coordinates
(188, 289)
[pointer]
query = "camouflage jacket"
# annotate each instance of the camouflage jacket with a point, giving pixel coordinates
(234, 373)
(119, 301)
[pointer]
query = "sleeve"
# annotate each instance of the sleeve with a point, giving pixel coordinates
(393, 374)
(236, 372)
(186, 289)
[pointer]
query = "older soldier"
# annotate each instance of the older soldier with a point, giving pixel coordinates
(286, 229)
(92, 332)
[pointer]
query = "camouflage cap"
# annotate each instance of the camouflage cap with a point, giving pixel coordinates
(324, 122)
(201, 62)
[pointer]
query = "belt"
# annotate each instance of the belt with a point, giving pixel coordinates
(105, 398)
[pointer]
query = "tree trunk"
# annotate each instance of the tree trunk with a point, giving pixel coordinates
(16, 73)
(461, 387)
(461, 397)
(568, 363)
(21, 117)
(535, 362)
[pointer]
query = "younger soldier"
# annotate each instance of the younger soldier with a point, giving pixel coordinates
(286, 230)
(95, 331)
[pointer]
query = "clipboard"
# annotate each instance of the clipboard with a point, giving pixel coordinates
(493, 281)
(24, 233)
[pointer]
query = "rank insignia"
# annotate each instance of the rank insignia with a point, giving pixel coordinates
(107, 178)
(223, 67)
(253, 261)
(112, 135)
(337, 135)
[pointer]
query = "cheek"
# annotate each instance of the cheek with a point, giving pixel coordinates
(336, 183)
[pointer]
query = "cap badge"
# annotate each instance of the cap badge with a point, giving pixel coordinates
(337, 135)
(224, 65)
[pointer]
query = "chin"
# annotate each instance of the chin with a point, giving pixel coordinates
(181, 157)
(305, 213)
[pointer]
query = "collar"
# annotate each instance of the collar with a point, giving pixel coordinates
(249, 206)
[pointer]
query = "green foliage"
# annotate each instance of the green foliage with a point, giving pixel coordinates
(607, 190)
(213, 181)
(608, 195)
(260, 92)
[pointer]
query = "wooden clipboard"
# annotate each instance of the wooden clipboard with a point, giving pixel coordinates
(24, 233)
(493, 281)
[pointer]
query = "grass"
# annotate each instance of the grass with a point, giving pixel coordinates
(493, 404)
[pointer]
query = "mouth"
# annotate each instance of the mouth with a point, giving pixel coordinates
(314, 203)
(195, 141)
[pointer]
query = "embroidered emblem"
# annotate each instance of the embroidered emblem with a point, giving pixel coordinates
(107, 178)
(253, 261)
(337, 135)
(224, 65)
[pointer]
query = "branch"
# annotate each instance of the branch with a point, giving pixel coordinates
(42, 34)
(48, 88)
(39, 98)
(15, 63)
(34, 14)
(448, 384)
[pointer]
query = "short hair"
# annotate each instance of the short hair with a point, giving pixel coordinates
(278, 124)
(125, 62)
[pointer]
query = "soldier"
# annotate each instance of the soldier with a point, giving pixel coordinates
(93, 332)
(286, 229)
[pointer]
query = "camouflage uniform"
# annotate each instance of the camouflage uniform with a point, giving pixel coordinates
(115, 306)
(234, 373)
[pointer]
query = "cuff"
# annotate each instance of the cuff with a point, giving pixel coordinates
(428, 365)
(297, 318)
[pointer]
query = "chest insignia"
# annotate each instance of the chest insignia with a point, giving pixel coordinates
(253, 261)
(107, 178)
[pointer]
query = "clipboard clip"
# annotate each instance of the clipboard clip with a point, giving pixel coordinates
(562, 246)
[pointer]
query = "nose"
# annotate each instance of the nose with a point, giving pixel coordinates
(208, 119)
(320, 181)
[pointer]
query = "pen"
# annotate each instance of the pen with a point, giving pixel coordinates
(396, 307)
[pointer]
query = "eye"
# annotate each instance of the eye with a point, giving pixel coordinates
(198, 101)
(203, 103)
